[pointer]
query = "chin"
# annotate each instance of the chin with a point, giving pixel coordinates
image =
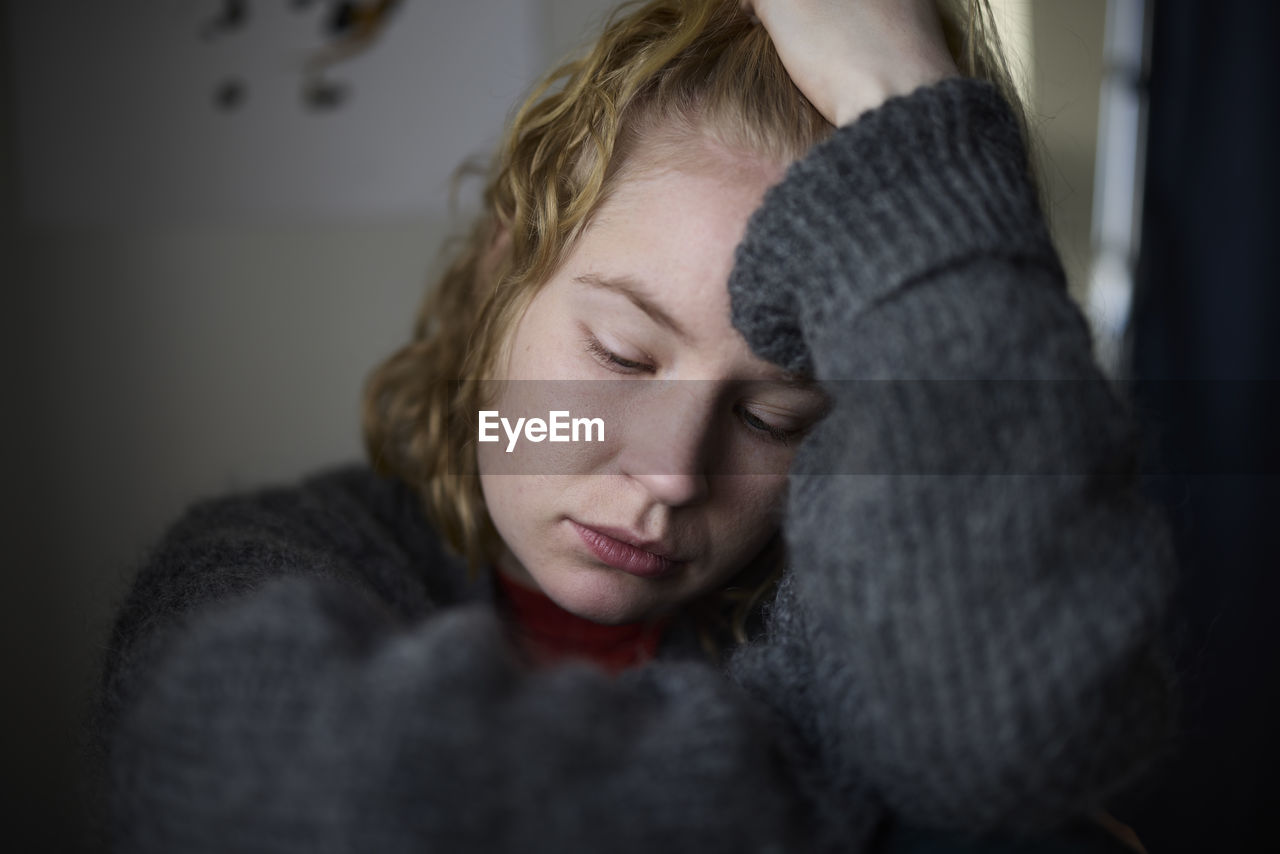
(605, 596)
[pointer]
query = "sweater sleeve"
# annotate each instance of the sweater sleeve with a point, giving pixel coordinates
(975, 585)
(267, 694)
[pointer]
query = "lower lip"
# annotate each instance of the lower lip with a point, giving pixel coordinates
(624, 556)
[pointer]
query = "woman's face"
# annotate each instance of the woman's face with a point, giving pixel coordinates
(686, 486)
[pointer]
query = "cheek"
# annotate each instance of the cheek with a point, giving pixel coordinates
(581, 425)
(566, 440)
(746, 518)
(503, 497)
(520, 509)
(753, 506)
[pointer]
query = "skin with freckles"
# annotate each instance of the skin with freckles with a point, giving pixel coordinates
(643, 298)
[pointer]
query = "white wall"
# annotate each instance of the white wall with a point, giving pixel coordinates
(1067, 78)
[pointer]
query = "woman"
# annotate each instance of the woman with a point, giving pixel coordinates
(962, 636)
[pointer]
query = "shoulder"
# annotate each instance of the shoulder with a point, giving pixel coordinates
(345, 528)
(346, 522)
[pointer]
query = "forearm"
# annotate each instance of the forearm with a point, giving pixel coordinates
(979, 582)
(848, 58)
(978, 564)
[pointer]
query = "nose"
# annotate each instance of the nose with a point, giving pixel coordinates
(666, 451)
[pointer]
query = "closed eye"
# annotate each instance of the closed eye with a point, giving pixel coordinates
(766, 430)
(611, 360)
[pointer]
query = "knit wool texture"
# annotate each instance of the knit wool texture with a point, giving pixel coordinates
(964, 636)
(965, 520)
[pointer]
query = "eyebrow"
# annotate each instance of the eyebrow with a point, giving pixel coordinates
(633, 290)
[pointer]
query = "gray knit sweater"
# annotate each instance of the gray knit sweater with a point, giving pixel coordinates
(964, 638)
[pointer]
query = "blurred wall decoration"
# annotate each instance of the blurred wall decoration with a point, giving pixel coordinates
(127, 134)
(350, 28)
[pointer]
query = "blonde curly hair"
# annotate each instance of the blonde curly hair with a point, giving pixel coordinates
(688, 66)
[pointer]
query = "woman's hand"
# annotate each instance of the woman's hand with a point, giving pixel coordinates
(848, 56)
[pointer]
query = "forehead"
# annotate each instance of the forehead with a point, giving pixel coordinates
(699, 155)
(676, 212)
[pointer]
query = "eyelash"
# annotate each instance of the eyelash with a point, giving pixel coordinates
(613, 362)
(767, 431)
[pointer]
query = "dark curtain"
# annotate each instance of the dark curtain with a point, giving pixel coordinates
(1205, 360)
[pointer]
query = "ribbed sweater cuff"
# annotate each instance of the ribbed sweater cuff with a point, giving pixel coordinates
(918, 184)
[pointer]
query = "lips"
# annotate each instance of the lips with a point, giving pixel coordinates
(631, 555)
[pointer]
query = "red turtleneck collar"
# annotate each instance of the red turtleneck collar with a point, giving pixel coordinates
(549, 633)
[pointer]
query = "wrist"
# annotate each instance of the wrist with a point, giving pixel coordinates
(871, 90)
